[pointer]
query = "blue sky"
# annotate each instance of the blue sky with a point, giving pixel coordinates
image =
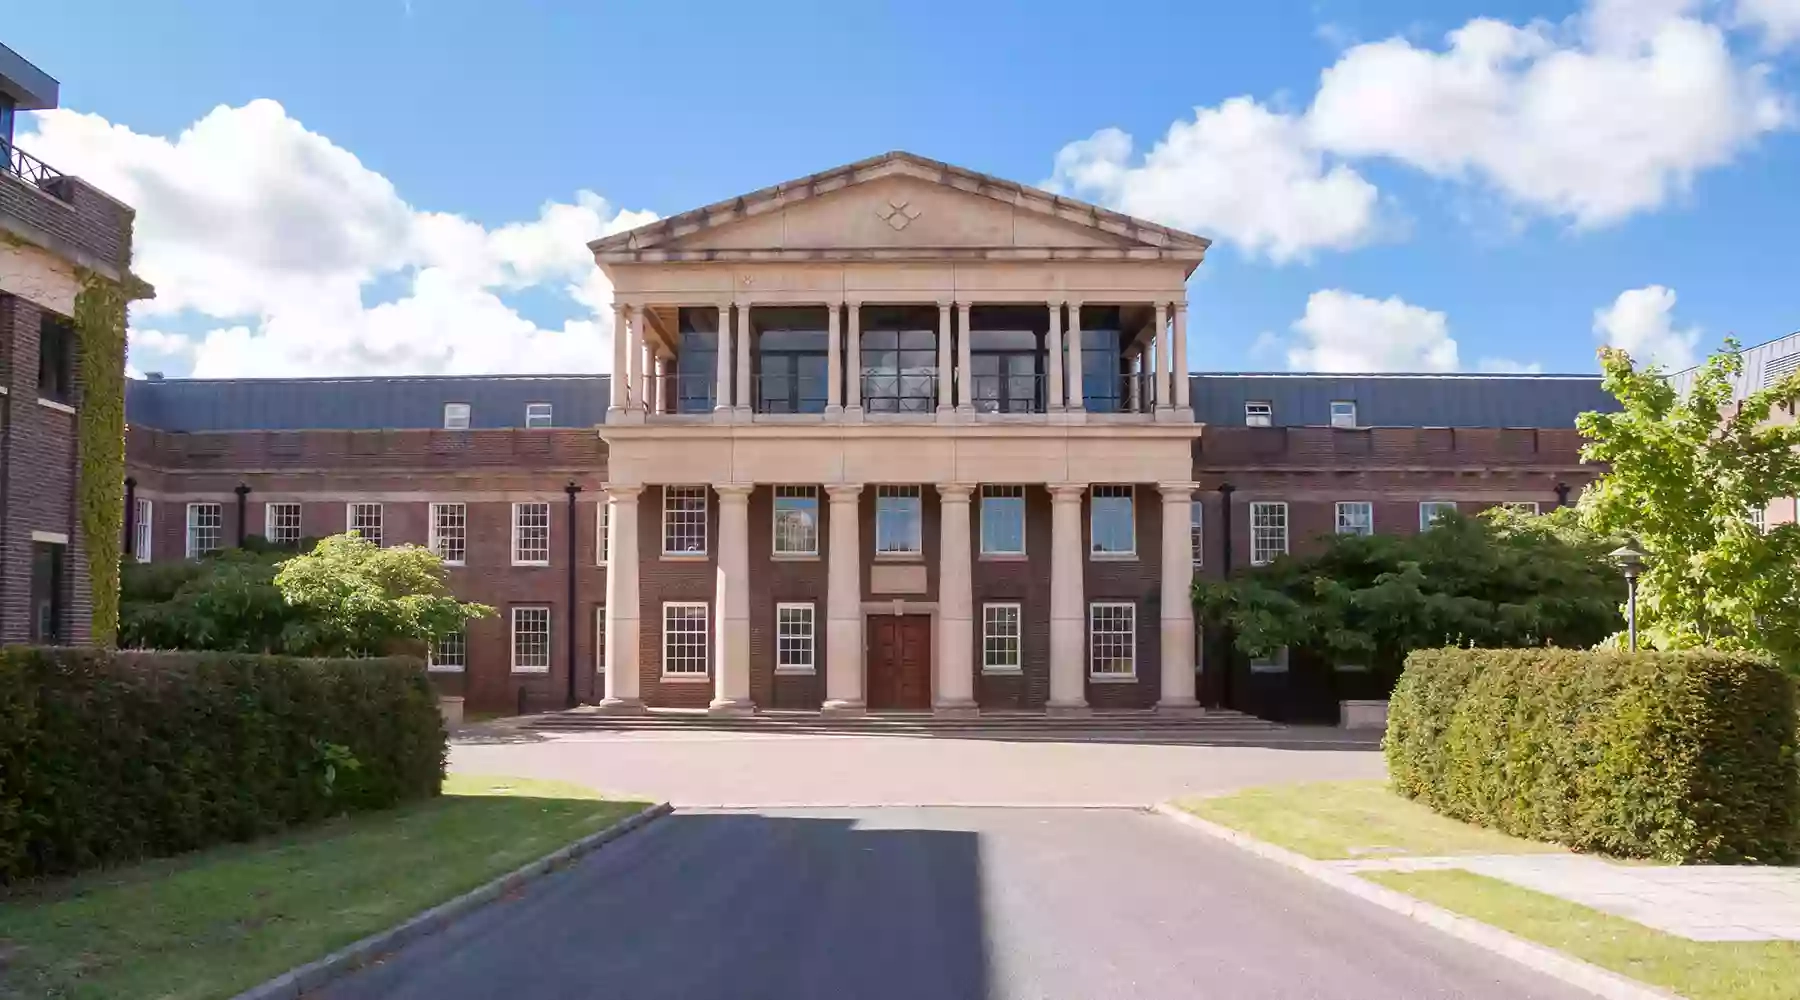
(1382, 194)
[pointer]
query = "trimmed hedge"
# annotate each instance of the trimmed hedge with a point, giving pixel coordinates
(1682, 756)
(109, 756)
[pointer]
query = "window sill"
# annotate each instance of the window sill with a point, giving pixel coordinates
(436, 668)
(531, 565)
(51, 404)
(796, 672)
(686, 678)
(531, 670)
(793, 557)
(458, 564)
(689, 557)
(1004, 557)
(1002, 672)
(900, 557)
(1112, 556)
(1113, 678)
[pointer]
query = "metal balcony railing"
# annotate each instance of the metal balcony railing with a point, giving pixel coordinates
(1008, 393)
(784, 393)
(692, 392)
(909, 393)
(29, 168)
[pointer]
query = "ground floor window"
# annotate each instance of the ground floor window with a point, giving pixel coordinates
(684, 639)
(531, 640)
(365, 520)
(794, 639)
(600, 637)
(899, 520)
(1268, 532)
(205, 523)
(1112, 639)
(48, 612)
(1431, 510)
(1355, 517)
(450, 654)
(1000, 638)
(281, 523)
(141, 530)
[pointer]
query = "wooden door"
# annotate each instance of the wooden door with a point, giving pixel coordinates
(900, 662)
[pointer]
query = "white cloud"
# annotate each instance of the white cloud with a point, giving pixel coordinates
(275, 233)
(1345, 332)
(1778, 20)
(1507, 366)
(1609, 114)
(1240, 172)
(1642, 323)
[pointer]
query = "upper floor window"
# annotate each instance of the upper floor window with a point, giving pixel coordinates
(796, 521)
(792, 347)
(899, 359)
(684, 520)
(1111, 523)
(602, 521)
(899, 521)
(56, 359)
(456, 416)
(449, 535)
(1343, 413)
(281, 523)
(1259, 413)
(1355, 517)
(696, 358)
(1268, 531)
(531, 534)
(1431, 510)
(1197, 531)
(537, 414)
(365, 520)
(1003, 520)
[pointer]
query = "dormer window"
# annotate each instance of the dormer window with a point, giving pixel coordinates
(537, 414)
(1259, 413)
(1343, 413)
(456, 416)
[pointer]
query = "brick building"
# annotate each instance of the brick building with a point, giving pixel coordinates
(52, 228)
(1002, 506)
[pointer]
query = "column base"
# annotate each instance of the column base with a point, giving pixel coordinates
(731, 706)
(1072, 710)
(621, 706)
(839, 708)
(833, 412)
(956, 710)
(853, 414)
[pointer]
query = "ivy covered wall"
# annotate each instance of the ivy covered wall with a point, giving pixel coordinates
(100, 432)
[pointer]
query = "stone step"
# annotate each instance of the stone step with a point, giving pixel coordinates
(1214, 722)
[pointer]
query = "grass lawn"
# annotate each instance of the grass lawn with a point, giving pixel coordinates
(216, 922)
(1351, 819)
(1699, 970)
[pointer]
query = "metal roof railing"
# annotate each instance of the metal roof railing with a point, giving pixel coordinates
(29, 168)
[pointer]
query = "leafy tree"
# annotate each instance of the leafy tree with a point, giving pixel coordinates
(344, 597)
(1501, 580)
(1684, 471)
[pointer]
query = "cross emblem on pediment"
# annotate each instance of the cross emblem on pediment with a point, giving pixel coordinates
(897, 214)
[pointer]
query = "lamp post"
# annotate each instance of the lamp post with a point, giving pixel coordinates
(1630, 561)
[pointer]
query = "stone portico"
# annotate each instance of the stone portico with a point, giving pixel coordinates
(935, 355)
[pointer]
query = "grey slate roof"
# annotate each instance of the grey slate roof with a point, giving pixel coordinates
(392, 402)
(1764, 365)
(1302, 400)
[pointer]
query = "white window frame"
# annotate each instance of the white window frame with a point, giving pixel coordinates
(521, 555)
(1436, 508)
(1111, 491)
(996, 630)
(1259, 413)
(1095, 608)
(1343, 413)
(1523, 507)
(1197, 532)
(1368, 509)
(600, 639)
(270, 517)
(533, 612)
(693, 640)
(1003, 492)
(900, 491)
(1759, 519)
(217, 510)
(1276, 663)
(143, 529)
(685, 497)
(602, 520)
(798, 636)
(456, 416)
(780, 493)
(350, 512)
(1262, 551)
(434, 661)
(539, 415)
(437, 534)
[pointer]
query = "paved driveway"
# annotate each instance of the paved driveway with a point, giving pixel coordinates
(903, 903)
(698, 768)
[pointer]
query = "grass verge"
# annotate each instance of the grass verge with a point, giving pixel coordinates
(1699, 970)
(217, 922)
(1351, 819)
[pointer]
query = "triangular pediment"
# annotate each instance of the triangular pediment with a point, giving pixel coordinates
(893, 205)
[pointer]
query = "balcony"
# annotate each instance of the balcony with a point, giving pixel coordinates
(34, 171)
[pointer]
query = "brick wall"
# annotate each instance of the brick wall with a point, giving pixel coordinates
(70, 218)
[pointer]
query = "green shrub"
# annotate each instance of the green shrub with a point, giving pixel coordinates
(111, 756)
(1678, 756)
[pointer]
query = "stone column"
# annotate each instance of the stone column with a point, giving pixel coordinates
(834, 362)
(1177, 599)
(945, 371)
(965, 368)
(853, 404)
(620, 370)
(647, 376)
(634, 357)
(843, 606)
(722, 382)
(745, 401)
(1068, 606)
(955, 684)
(1053, 352)
(731, 604)
(621, 600)
(1182, 400)
(1077, 402)
(1134, 389)
(1165, 385)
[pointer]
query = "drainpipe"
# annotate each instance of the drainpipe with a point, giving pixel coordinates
(1562, 494)
(130, 517)
(242, 492)
(574, 616)
(1225, 492)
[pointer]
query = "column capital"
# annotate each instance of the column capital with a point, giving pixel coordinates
(1067, 492)
(844, 492)
(1073, 302)
(945, 303)
(1177, 492)
(955, 492)
(1180, 305)
(853, 301)
(734, 492)
(623, 493)
(1055, 301)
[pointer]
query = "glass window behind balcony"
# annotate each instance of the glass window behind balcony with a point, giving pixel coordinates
(6, 119)
(1103, 387)
(899, 359)
(791, 346)
(1006, 354)
(696, 359)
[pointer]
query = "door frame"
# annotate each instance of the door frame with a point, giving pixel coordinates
(896, 608)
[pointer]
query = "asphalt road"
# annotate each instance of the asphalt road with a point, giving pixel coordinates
(909, 903)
